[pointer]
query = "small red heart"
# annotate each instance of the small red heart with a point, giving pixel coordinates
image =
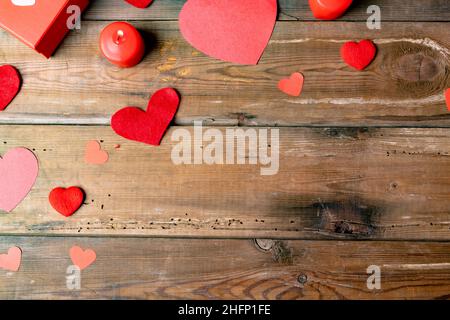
(359, 55)
(329, 9)
(9, 85)
(292, 86)
(66, 201)
(447, 98)
(140, 3)
(82, 258)
(147, 127)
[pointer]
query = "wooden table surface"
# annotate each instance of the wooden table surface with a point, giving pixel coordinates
(364, 174)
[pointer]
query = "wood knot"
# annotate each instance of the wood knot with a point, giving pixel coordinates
(417, 67)
(264, 244)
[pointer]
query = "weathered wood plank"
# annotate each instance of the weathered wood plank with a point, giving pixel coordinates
(403, 87)
(392, 10)
(332, 183)
(228, 269)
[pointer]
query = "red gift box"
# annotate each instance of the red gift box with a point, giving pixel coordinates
(41, 24)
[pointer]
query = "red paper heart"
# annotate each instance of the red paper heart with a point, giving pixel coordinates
(147, 127)
(66, 201)
(359, 55)
(329, 9)
(231, 30)
(140, 3)
(292, 86)
(447, 98)
(82, 258)
(11, 260)
(9, 85)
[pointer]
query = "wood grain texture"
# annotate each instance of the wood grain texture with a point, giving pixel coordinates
(332, 184)
(228, 269)
(392, 10)
(404, 86)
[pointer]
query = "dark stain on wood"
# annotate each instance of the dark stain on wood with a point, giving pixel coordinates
(348, 217)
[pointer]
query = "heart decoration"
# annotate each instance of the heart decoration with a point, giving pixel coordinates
(329, 9)
(94, 153)
(359, 55)
(9, 85)
(11, 260)
(66, 201)
(18, 172)
(292, 86)
(82, 258)
(140, 3)
(231, 30)
(447, 98)
(147, 127)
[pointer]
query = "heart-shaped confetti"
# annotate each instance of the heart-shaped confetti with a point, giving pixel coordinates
(230, 30)
(140, 3)
(11, 260)
(9, 85)
(82, 258)
(292, 86)
(359, 55)
(18, 172)
(66, 201)
(94, 153)
(329, 9)
(147, 127)
(447, 98)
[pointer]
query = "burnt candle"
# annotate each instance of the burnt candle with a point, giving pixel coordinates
(122, 44)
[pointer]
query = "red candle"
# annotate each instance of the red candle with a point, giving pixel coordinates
(122, 44)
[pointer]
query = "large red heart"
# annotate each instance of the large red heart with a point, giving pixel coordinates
(9, 85)
(147, 127)
(232, 30)
(358, 55)
(140, 3)
(329, 9)
(66, 201)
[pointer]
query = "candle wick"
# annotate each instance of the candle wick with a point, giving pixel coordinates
(119, 36)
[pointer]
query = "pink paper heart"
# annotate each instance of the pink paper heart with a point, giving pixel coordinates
(94, 153)
(18, 172)
(231, 30)
(11, 260)
(82, 258)
(292, 86)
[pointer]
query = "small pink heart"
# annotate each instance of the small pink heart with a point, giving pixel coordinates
(18, 172)
(11, 260)
(94, 153)
(82, 258)
(292, 86)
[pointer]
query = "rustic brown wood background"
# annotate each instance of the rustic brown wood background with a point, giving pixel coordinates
(364, 163)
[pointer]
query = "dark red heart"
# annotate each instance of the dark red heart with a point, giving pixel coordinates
(140, 3)
(9, 85)
(359, 55)
(66, 201)
(329, 9)
(147, 127)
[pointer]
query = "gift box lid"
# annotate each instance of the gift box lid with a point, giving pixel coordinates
(41, 24)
